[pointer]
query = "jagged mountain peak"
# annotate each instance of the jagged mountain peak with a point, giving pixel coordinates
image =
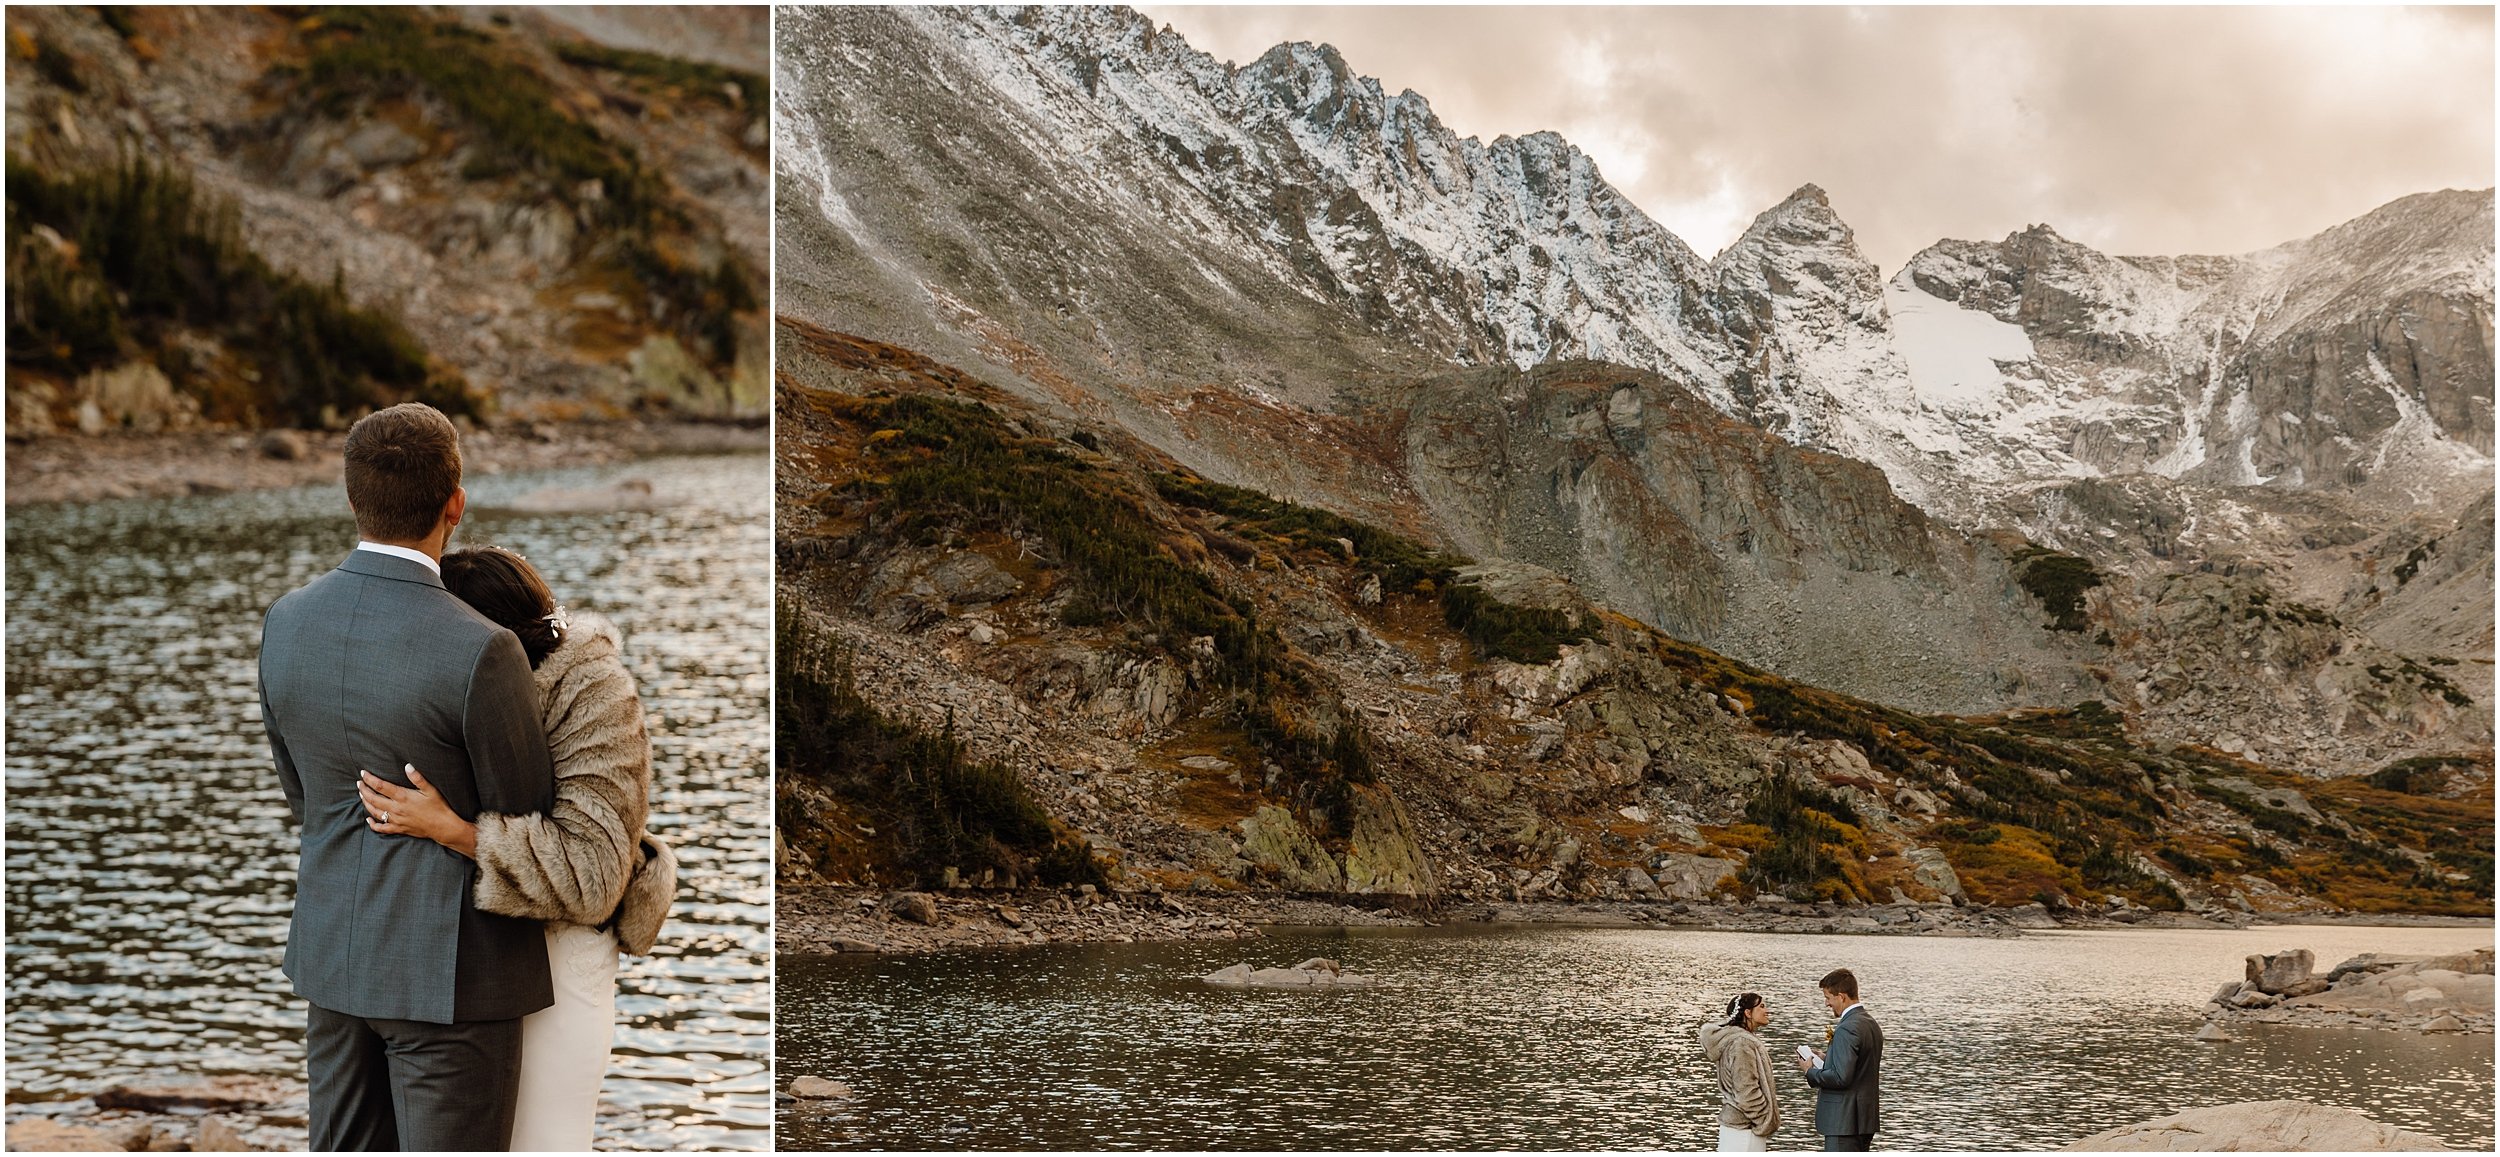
(1799, 247)
(1121, 226)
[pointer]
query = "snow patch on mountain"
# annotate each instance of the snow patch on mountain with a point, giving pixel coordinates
(1953, 353)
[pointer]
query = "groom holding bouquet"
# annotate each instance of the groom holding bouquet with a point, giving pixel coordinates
(1848, 1096)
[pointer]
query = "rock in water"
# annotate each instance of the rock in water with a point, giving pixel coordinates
(2444, 1022)
(625, 494)
(819, 1089)
(2281, 970)
(2212, 1033)
(1317, 972)
(2259, 1126)
(164, 1095)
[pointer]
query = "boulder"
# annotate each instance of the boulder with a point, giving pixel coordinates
(2281, 970)
(969, 578)
(819, 1089)
(1317, 972)
(2408, 991)
(134, 395)
(216, 1136)
(1932, 871)
(2369, 962)
(281, 446)
(1683, 876)
(1382, 852)
(45, 1135)
(2212, 1033)
(2444, 1022)
(1639, 883)
(2258, 1126)
(917, 907)
(1272, 839)
(227, 1093)
(2476, 961)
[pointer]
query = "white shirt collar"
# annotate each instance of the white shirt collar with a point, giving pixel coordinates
(1844, 1013)
(403, 552)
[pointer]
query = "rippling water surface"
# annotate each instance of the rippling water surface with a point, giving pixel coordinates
(1573, 1039)
(150, 859)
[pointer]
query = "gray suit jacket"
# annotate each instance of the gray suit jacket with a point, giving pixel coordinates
(368, 667)
(1849, 1094)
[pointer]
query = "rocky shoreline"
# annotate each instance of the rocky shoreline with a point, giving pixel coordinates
(834, 919)
(176, 1114)
(83, 468)
(2374, 990)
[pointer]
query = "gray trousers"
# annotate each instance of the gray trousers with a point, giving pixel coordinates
(391, 1086)
(1848, 1142)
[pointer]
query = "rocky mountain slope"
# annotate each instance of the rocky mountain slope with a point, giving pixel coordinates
(1290, 183)
(1018, 647)
(1279, 275)
(492, 209)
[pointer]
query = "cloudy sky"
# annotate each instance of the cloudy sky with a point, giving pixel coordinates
(2134, 130)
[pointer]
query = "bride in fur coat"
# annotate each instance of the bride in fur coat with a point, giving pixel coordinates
(587, 869)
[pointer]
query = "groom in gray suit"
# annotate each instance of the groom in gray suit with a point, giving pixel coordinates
(1848, 1080)
(413, 1041)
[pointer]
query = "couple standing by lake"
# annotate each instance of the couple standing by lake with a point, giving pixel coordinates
(1847, 1076)
(470, 771)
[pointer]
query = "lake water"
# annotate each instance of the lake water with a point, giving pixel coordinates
(150, 858)
(1516, 1038)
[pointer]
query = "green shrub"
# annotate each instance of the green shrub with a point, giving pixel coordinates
(1402, 563)
(362, 53)
(1069, 863)
(940, 807)
(155, 255)
(961, 465)
(2417, 775)
(524, 129)
(1808, 857)
(2183, 862)
(697, 80)
(1500, 630)
(2058, 581)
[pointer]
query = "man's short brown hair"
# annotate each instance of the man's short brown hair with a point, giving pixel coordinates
(1842, 981)
(403, 465)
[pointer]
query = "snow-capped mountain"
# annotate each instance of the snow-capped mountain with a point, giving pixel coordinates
(1269, 272)
(2332, 362)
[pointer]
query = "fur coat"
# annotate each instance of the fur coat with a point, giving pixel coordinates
(587, 861)
(1747, 1097)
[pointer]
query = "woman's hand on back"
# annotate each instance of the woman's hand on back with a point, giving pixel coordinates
(416, 810)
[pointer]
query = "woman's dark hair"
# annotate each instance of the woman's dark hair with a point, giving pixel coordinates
(1739, 1005)
(504, 587)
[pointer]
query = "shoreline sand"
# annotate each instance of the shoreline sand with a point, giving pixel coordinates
(83, 468)
(834, 919)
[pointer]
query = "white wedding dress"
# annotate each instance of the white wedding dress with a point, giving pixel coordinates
(1732, 1138)
(564, 1047)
